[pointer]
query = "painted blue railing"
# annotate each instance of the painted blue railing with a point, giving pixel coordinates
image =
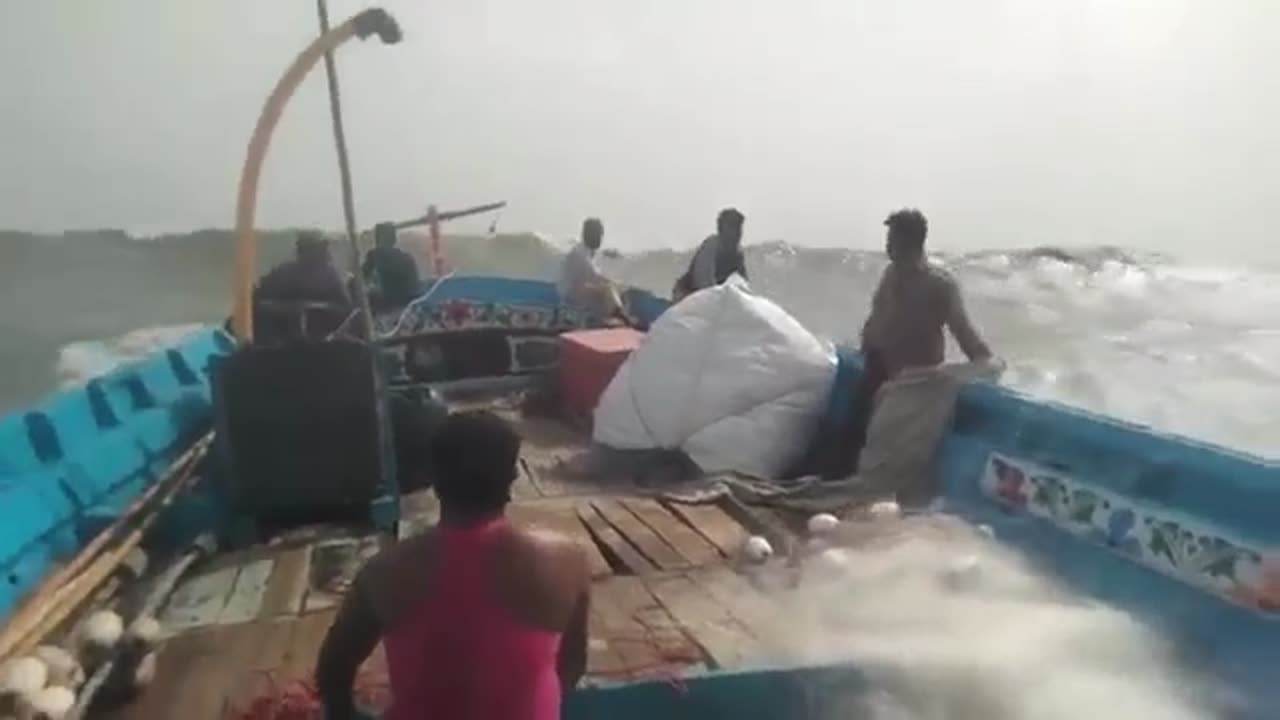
(69, 465)
(518, 291)
(1182, 534)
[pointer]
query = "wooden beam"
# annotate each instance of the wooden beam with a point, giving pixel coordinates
(641, 536)
(713, 524)
(686, 541)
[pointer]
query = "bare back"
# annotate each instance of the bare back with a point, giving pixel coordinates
(481, 620)
(911, 306)
(536, 576)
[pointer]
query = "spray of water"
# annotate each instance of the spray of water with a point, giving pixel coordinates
(950, 625)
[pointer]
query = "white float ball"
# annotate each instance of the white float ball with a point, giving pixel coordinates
(20, 678)
(815, 545)
(64, 668)
(758, 549)
(144, 631)
(103, 629)
(885, 510)
(963, 572)
(831, 562)
(52, 703)
(987, 531)
(823, 523)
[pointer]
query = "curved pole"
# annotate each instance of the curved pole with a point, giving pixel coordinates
(373, 21)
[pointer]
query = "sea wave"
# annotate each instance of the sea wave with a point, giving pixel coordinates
(1187, 349)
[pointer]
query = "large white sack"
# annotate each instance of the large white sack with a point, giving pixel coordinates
(727, 376)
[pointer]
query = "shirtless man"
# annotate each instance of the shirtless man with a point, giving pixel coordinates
(914, 301)
(480, 620)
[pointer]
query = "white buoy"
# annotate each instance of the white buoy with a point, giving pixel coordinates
(885, 510)
(987, 531)
(25, 674)
(823, 523)
(963, 572)
(19, 680)
(103, 629)
(98, 638)
(815, 545)
(64, 669)
(831, 563)
(757, 549)
(144, 632)
(52, 703)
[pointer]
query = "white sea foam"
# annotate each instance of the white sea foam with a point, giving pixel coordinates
(950, 626)
(83, 360)
(1189, 350)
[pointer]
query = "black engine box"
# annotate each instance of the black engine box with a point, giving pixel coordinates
(305, 435)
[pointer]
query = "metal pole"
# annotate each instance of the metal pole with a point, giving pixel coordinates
(344, 170)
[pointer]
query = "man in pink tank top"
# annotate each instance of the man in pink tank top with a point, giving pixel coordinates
(479, 620)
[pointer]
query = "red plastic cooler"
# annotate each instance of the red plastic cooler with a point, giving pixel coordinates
(588, 361)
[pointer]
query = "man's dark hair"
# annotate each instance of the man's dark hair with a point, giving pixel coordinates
(475, 456)
(910, 225)
(730, 217)
(592, 223)
(311, 245)
(384, 233)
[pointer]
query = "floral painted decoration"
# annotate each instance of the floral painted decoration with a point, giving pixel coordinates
(1170, 542)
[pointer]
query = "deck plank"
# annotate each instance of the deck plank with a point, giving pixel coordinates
(726, 642)
(713, 524)
(744, 602)
(691, 545)
(640, 535)
(259, 672)
(287, 587)
(602, 659)
(245, 599)
(176, 657)
(606, 535)
(564, 519)
(334, 566)
(199, 601)
(619, 629)
(309, 632)
(205, 694)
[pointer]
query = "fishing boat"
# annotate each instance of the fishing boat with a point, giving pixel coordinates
(191, 486)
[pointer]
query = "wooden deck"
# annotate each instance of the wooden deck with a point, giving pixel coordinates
(665, 596)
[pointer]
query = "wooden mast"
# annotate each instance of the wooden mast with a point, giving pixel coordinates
(344, 171)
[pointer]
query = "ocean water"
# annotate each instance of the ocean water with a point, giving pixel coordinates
(1192, 350)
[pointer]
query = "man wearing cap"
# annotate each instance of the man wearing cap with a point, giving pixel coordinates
(717, 259)
(912, 304)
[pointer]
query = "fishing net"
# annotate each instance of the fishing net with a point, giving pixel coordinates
(300, 699)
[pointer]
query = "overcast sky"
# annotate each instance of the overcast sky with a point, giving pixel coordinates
(1148, 123)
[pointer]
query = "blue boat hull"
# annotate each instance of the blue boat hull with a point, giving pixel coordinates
(69, 465)
(1174, 531)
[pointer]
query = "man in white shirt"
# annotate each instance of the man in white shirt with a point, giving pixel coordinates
(581, 282)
